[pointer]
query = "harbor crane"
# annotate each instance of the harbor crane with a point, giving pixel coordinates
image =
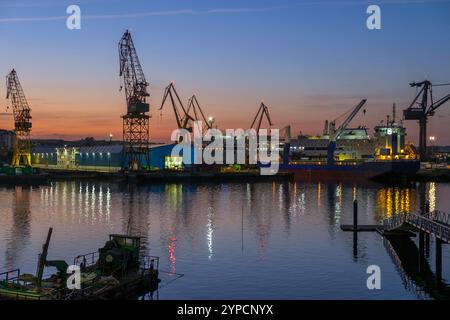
(335, 134)
(22, 120)
(182, 116)
(198, 114)
(136, 120)
(421, 110)
(262, 111)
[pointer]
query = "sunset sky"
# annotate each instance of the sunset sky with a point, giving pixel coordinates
(308, 60)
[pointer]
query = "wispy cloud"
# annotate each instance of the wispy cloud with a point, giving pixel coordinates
(149, 14)
(213, 11)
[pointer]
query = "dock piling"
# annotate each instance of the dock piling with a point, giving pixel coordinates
(438, 245)
(355, 215)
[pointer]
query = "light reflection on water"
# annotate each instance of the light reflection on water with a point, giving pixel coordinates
(247, 240)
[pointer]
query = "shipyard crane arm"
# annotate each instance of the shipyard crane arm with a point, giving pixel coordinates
(262, 111)
(422, 110)
(426, 92)
(181, 114)
(437, 104)
(334, 136)
(22, 120)
(197, 111)
(19, 104)
(133, 76)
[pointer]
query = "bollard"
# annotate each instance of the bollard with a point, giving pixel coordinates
(438, 245)
(355, 215)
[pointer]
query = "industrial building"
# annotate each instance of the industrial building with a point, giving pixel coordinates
(106, 158)
(7, 140)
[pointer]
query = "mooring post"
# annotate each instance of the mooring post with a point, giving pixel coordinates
(427, 235)
(355, 215)
(421, 251)
(438, 246)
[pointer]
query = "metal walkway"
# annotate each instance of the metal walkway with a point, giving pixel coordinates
(435, 223)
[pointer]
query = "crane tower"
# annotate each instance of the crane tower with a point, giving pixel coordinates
(22, 120)
(422, 109)
(136, 120)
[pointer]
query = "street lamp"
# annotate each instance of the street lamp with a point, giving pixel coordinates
(210, 121)
(432, 139)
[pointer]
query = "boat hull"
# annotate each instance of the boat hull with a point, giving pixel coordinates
(363, 170)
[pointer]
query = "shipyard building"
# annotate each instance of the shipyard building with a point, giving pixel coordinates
(102, 158)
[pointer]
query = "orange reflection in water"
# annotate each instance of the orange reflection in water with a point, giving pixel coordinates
(392, 201)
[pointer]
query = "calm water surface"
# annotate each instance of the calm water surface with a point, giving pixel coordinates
(230, 241)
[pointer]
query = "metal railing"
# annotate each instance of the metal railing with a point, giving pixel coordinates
(439, 216)
(435, 223)
(86, 260)
(149, 262)
(436, 228)
(6, 276)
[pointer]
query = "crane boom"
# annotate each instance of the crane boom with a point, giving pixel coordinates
(22, 120)
(422, 110)
(182, 117)
(136, 120)
(198, 114)
(336, 134)
(262, 111)
(133, 76)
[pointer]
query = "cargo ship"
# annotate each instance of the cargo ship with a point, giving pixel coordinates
(352, 170)
(350, 153)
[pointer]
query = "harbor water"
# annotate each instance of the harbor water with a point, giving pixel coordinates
(275, 240)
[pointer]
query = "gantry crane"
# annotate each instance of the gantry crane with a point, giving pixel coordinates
(262, 111)
(335, 134)
(422, 110)
(183, 118)
(197, 113)
(136, 120)
(22, 120)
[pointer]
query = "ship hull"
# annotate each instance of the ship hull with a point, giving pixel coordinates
(364, 170)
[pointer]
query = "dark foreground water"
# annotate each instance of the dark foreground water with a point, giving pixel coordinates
(230, 241)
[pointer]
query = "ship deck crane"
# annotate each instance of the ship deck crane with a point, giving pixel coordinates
(422, 110)
(136, 120)
(22, 120)
(262, 111)
(334, 135)
(183, 118)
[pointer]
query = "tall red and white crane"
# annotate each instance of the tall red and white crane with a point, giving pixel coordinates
(22, 120)
(136, 120)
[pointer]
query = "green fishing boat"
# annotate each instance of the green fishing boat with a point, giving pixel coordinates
(118, 270)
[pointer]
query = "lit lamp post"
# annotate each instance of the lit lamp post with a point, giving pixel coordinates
(109, 153)
(432, 139)
(211, 121)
